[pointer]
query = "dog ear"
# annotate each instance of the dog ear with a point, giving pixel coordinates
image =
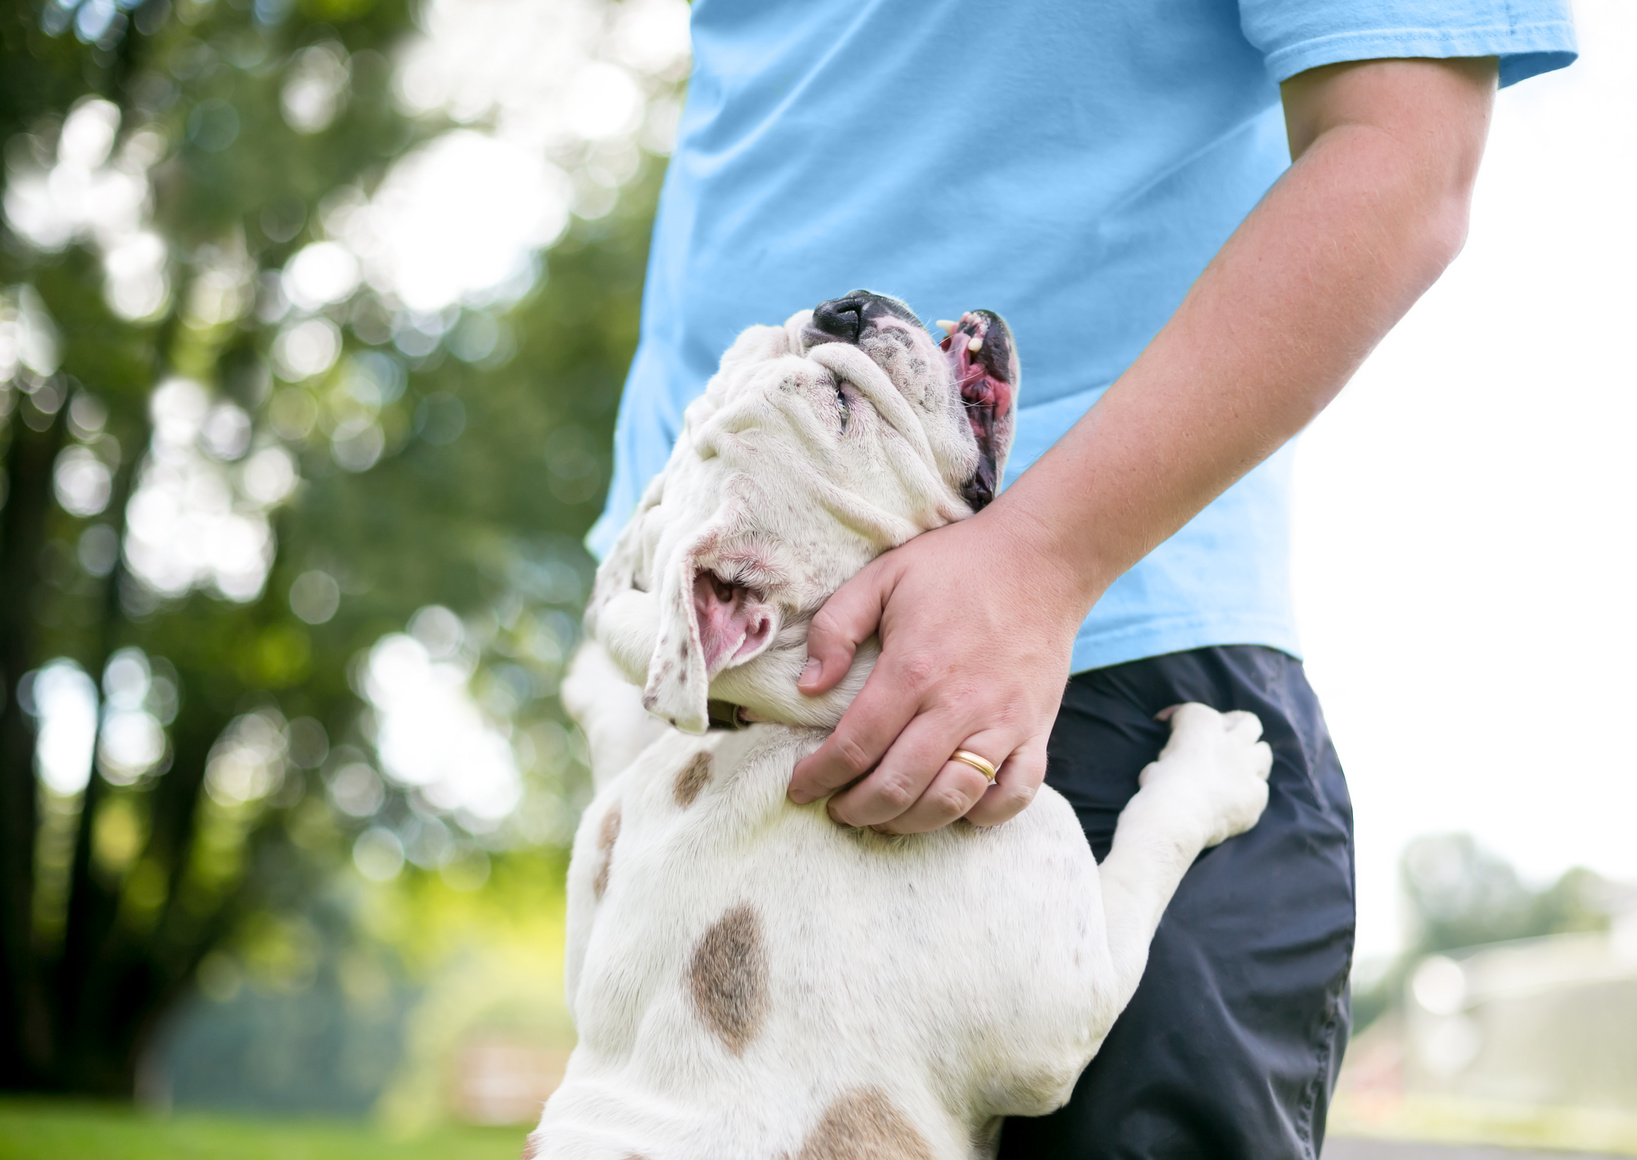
(706, 623)
(622, 614)
(677, 685)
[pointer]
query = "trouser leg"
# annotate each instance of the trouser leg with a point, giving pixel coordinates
(1230, 1045)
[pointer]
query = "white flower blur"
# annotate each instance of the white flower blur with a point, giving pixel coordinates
(221, 288)
(430, 733)
(65, 705)
(558, 96)
(28, 337)
(82, 481)
(188, 525)
(320, 274)
(546, 73)
(247, 762)
(315, 88)
(459, 220)
(91, 193)
(306, 348)
(133, 738)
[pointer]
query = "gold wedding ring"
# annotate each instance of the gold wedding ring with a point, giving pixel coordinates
(977, 762)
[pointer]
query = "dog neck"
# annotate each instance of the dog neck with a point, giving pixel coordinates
(764, 689)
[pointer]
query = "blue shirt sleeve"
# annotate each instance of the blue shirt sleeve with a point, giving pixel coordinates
(1529, 36)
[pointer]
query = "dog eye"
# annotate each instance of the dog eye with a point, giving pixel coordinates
(846, 407)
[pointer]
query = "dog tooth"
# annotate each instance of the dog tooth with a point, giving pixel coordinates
(975, 345)
(947, 325)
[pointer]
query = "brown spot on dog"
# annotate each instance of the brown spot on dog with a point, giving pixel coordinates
(606, 838)
(531, 1146)
(728, 976)
(864, 1124)
(610, 829)
(691, 778)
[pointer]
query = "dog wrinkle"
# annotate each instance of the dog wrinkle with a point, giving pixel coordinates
(1038, 1089)
(986, 1136)
(728, 978)
(692, 778)
(606, 837)
(864, 1124)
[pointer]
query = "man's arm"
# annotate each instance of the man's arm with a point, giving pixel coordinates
(977, 619)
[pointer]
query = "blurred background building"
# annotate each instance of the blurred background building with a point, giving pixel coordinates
(313, 319)
(1513, 1011)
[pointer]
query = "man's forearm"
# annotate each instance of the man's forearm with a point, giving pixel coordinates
(1368, 216)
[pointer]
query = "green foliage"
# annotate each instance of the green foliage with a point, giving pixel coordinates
(1461, 895)
(483, 461)
(1464, 895)
(58, 1131)
(363, 1001)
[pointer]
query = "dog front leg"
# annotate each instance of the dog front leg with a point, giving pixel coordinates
(1209, 783)
(608, 709)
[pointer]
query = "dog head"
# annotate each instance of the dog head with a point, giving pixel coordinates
(817, 446)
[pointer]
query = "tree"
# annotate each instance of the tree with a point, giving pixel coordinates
(239, 458)
(1461, 895)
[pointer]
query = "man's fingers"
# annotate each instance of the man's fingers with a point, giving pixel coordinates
(847, 620)
(903, 775)
(952, 793)
(1019, 781)
(876, 716)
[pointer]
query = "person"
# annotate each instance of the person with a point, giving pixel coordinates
(1198, 218)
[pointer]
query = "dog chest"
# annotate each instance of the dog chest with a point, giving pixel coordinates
(737, 940)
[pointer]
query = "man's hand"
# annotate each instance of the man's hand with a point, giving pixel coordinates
(975, 646)
(976, 619)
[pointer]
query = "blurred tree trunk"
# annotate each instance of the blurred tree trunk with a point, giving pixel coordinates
(29, 1044)
(95, 1048)
(78, 1013)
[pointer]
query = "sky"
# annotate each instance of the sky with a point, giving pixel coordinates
(1464, 527)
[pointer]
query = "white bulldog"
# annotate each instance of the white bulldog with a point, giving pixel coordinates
(748, 978)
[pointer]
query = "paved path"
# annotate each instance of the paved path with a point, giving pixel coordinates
(1343, 1148)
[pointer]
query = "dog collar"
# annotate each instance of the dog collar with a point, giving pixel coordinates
(725, 716)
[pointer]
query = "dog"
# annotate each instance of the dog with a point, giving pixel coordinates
(748, 978)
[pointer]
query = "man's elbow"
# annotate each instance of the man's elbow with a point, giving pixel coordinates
(1438, 160)
(1455, 171)
(1412, 129)
(1434, 193)
(1446, 228)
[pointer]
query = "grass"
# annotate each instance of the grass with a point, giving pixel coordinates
(63, 1130)
(1456, 1121)
(58, 1130)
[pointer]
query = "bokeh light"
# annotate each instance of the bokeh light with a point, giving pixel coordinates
(88, 191)
(189, 525)
(430, 733)
(64, 702)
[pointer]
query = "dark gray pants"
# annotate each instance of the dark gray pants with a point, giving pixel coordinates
(1231, 1044)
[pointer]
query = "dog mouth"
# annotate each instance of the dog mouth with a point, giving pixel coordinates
(982, 359)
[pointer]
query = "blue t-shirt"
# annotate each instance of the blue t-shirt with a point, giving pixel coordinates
(1073, 166)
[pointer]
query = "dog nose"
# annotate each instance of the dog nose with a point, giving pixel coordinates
(841, 318)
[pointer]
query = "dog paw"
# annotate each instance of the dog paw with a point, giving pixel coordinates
(1218, 764)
